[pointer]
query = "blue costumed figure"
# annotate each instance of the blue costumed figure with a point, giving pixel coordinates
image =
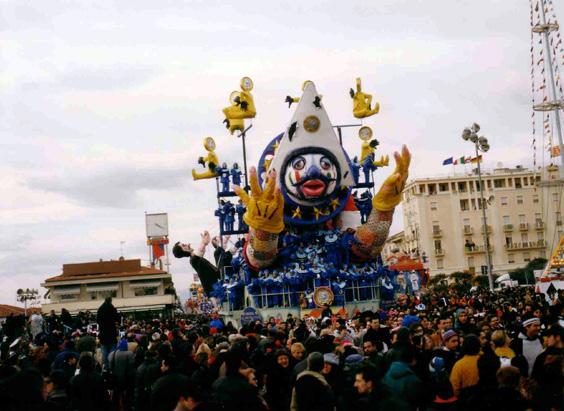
(254, 289)
(338, 287)
(223, 173)
(355, 169)
(277, 289)
(240, 209)
(229, 219)
(235, 175)
(368, 167)
(220, 214)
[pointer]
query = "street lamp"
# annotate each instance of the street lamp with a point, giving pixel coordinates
(23, 296)
(481, 145)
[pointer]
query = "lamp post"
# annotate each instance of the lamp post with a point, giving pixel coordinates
(481, 145)
(23, 296)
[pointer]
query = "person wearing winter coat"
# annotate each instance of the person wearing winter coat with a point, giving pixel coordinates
(402, 380)
(122, 365)
(465, 373)
(528, 344)
(279, 382)
(311, 390)
(107, 317)
(87, 390)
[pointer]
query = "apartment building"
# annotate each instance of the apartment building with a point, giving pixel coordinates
(443, 218)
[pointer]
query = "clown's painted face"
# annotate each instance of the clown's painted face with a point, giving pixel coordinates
(311, 176)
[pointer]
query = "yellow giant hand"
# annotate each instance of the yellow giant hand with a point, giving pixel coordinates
(389, 194)
(265, 209)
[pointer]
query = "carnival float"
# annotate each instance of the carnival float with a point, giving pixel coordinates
(309, 221)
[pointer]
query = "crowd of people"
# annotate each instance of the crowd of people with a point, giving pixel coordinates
(480, 350)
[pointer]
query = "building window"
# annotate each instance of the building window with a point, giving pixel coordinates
(440, 265)
(443, 187)
(141, 291)
(462, 186)
(506, 220)
(517, 183)
(464, 205)
(499, 183)
(525, 181)
(526, 257)
(101, 295)
(540, 236)
(422, 189)
(555, 197)
(558, 218)
(438, 245)
(535, 198)
(433, 205)
(508, 240)
(519, 199)
(68, 297)
(524, 238)
(510, 258)
(503, 200)
(471, 262)
(432, 189)
(522, 219)
(489, 182)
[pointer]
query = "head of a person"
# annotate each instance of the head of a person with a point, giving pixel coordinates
(462, 317)
(181, 250)
(451, 340)
(508, 377)
(365, 379)
(108, 300)
(315, 362)
(369, 347)
(330, 361)
(499, 338)
(86, 362)
(471, 345)
(554, 336)
(189, 397)
(297, 350)
(283, 358)
(494, 322)
(375, 323)
(445, 322)
(532, 327)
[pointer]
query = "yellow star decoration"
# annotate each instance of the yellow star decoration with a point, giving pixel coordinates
(267, 163)
(275, 146)
(334, 203)
(297, 213)
(318, 212)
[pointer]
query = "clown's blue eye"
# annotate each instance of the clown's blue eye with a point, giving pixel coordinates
(325, 163)
(298, 163)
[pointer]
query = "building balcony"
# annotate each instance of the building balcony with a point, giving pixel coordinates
(477, 249)
(558, 222)
(488, 227)
(539, 225)
(508, 228)
(528, 245)
(439, 252)
(467, 230)
(524, 226)
(437, 233)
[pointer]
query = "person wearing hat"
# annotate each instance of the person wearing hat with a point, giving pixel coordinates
(311, 390)
(279, 382)
(547, 370)
(449, 350)
(528, 343)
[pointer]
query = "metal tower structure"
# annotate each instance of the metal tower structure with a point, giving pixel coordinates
(547, 93)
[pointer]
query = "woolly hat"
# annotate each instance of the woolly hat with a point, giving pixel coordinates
(530, 321)
(315, 361)
(331, 358)
(448, 334)
(436, 365)
(353, 359)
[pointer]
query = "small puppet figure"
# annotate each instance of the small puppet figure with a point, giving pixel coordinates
(240, 210)
(242, 107)
(362, 102)
(210, 159)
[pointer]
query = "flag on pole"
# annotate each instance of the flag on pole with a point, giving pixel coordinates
(158, 251)
(462, 160)
(448, 161)
(476, 159)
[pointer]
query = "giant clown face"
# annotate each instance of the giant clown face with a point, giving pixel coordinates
(310, 175)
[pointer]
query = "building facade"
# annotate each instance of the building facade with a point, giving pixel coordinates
(134, 288)
(443, 218)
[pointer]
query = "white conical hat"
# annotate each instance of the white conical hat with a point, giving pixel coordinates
(312, 129)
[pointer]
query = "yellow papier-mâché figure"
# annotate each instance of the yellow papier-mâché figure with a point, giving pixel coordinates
(368, 148)
(362, 102)
(211, 161)
(242, 107)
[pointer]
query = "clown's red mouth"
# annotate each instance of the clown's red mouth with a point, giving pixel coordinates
(313, 188)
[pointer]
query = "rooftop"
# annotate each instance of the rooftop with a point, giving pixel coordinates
(104, 269)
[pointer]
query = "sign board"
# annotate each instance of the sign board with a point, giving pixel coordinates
(250, 314)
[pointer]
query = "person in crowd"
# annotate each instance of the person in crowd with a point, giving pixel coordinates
(464, 375)
(107, 318)
(311, 391)
(528, 344)
(87, 390)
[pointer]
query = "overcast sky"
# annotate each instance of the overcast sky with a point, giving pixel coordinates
(104, 105)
